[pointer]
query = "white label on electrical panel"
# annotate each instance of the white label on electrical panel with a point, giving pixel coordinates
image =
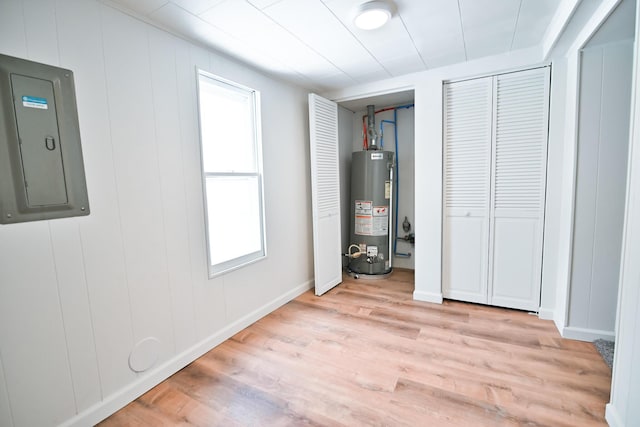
(35, 102)
(377, 156)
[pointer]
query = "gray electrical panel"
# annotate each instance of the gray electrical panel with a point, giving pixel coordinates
(41, 166)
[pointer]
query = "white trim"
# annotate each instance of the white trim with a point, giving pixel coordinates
(593, 24)
(623, 42)
(546, 313)
(253, 96)
(612, 417)
(124, 396)
(401, 87)
(556, 321)
(569, 159)
(585, 334)
(624, 396)
(428, 296)
(567, 220)
(488, 65)
(558, 24)
(543, 64)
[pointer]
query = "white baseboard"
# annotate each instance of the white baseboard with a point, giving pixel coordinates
(612, 417)
(435, 297)
(546, 313)
(559, 324)
(584, 334)
(144, 383)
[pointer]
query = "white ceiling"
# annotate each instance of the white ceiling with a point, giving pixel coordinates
(315, 43)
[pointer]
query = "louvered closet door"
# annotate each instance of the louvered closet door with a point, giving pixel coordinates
(325, 193)
(518, 182)
(467, 166)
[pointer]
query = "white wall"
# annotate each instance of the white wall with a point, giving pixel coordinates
(623, 409)
(77, 294)
(614, 14)
(406, 143)
(603, 134)
(406, 177)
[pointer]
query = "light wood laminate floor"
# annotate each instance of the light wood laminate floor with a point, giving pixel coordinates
(367, 354)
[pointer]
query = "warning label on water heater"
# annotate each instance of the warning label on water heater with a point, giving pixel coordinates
(363, 207)
(380, 221)
(371, 220)
(364, 217)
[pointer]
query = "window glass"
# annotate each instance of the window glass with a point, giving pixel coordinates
(227, 127)
(235, 225)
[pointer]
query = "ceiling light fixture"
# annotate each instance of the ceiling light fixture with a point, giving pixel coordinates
(373, 14)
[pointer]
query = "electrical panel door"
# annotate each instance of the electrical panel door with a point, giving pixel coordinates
(39, 141)
(41, 167)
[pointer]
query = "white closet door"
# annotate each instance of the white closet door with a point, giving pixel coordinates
(467, 166)
(518, 182)
(325, 193)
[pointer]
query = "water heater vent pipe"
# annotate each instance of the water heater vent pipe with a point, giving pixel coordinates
(372, 134)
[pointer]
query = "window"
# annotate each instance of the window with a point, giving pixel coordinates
(232, 173)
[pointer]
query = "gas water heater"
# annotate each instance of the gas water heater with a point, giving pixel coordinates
(371, 206)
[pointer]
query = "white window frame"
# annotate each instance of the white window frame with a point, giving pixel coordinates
(249, 258)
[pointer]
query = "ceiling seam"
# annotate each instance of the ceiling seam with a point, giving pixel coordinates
(357, 39)
(191, 13)
(302, 76)
(515, 27)
(464, 42)
(301, 79)
(158, 8)
(302, 41)
(206, 9)
(268, 5)
(413, 42)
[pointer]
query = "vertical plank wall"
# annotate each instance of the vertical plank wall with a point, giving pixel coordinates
(623, 409)
(77, 294)
(603, 135)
